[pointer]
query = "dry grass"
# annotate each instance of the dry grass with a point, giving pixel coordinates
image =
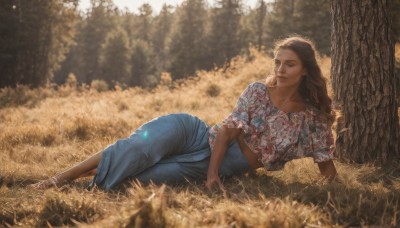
(45, 131)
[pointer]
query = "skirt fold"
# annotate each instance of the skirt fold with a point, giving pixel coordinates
(167, 149)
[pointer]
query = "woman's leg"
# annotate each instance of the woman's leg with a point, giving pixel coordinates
(177, 134)
(161, 138)
(88, 174)
(82, 169)
(120, 154)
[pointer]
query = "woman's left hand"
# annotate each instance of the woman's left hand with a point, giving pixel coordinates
(328, 170)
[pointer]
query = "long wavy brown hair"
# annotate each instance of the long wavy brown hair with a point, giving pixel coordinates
(313, 85)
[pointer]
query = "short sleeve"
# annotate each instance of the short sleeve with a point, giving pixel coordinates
(240, 116)
(322, 142)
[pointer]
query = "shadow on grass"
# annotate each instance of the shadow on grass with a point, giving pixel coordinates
(388, 175)
(24, 182)
(348, 206)
(11, 218)
(357, 205)
(374, 201)
(10, 182)
(61, 211)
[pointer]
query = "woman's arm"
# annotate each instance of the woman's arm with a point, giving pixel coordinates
(224, 136)
(328, 170)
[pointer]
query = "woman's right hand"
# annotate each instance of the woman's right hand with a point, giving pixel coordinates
(212, 179)
(224, 136)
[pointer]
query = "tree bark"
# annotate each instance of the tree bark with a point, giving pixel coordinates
(364, 82)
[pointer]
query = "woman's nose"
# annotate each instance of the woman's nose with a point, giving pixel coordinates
(280, 69)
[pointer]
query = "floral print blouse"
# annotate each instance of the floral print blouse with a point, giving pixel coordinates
(275, 136)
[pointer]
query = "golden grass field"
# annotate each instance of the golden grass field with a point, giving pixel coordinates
(44, 131)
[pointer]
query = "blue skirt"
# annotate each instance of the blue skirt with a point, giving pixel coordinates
(168, 149)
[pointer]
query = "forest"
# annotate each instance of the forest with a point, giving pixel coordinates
(73, 82)
(46, 42)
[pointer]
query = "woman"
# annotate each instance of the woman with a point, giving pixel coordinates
(289, 117)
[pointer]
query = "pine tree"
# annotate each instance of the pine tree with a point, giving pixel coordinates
(144, 23)
(142, 72)
(128, 23)
(281, 20)
(9, 48)
(187, 46)
(303, 17)
(260, 20)
(313, 20)
(69, 66)
(99, 21)
(64, 19)
(223, 41)
(114, 58)
(160, 32)
(36, 35)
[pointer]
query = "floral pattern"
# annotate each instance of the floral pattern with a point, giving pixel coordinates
(275, 136)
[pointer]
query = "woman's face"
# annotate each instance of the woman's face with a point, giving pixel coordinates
(288, 68)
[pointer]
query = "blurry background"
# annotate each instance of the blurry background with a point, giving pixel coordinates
(133, 5)
(46, 42)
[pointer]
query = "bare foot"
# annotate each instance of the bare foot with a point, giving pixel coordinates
(45, 184)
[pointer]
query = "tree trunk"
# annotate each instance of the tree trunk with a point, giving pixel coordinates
(364, 81)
